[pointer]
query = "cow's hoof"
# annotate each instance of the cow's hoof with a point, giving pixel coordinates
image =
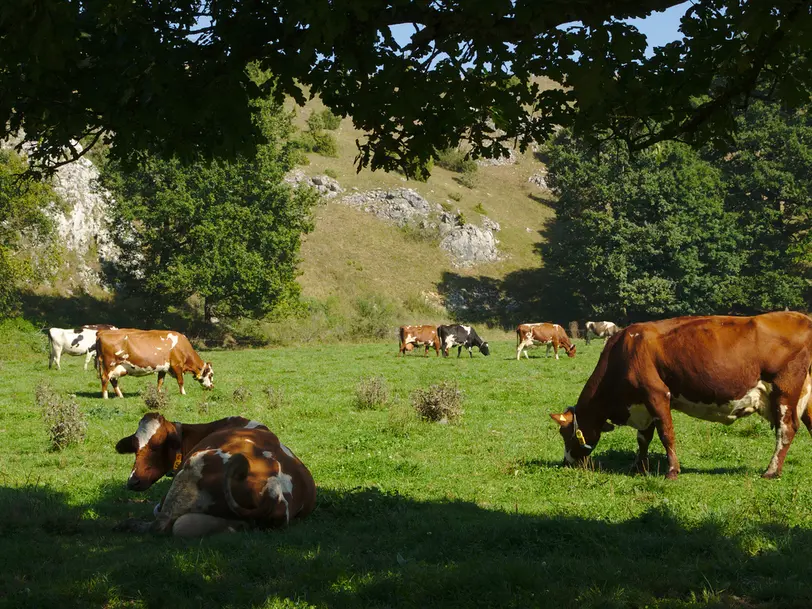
(771, 475)
(672, 475)
(641, 467)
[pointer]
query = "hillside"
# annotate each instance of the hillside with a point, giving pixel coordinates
(353, 254)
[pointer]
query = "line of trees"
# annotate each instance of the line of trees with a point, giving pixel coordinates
(673, 230)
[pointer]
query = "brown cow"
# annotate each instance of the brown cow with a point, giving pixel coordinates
(714, 368)
(552, 335)
(142, 352)
(419, 335)
(230, 473)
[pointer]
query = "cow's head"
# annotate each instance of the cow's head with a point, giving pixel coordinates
(157, 447)
(484, 349)
(579, 440)
(571, 350)
(206, 376)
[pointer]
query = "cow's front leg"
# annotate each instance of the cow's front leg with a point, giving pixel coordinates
(161, 376)
(116, 388)
(470, 352)
(785, 429)
(104, 380)
(644, 438)
(665, 429)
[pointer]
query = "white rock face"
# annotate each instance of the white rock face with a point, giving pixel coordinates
(326, 186)
(539, 179)
(470, 245)
(510, 159)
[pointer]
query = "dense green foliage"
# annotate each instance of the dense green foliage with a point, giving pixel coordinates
(149, 75)
(410, 514)
(227, 232)
(22, 205)
(672, 231)
(455, 159)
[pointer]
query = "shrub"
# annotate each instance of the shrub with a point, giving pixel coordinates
(331, 173)
(460, 219)
(455, 196)
(478, 208)
(154, 399)
(447, 207)
(440, 403)
(371, 392)
(455, 159)
(242, 394)
(204, 407)
(325, 144)
(64, 422)
(374, 317)
(467, 180)
(275, 397)
(330, 120)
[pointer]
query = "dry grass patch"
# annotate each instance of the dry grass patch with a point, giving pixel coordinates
(64, 422)
(371, 392)
(440, 403)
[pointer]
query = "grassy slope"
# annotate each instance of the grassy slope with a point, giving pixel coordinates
(352, 253)
(410, 514)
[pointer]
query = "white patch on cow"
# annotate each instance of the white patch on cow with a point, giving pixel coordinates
(156, 510)
(173, 338)
(755, 400)
(633, 334)
(146, 429)
(184, 496)
(803, 401)
(252, 424)
(467, 329)
(449, 341)
(279, 485)
(120, 351)
(158, 348)
(267, 454)
(249, 441)
(639, 417)
(223, 455)
(128, 368)
(410, 339)
(568, 457)
(287, 451)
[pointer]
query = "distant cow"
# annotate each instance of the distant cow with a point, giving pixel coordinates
(461, 336)
(602, 329)
(142, 352)
(229, 474)
(73, 341)
(551, 335)
(418, 336)
(715, 368)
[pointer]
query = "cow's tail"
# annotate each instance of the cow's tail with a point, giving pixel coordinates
(236, 470)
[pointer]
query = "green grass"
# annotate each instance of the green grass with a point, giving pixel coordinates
(410, 514)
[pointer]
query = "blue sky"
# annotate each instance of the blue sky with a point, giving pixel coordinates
(662, 28)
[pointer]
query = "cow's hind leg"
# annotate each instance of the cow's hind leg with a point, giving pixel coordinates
(788, 389)
(644, 438)
(89, 355)
(198, 525)
(659, 404)
(161, 376)
(116, 388)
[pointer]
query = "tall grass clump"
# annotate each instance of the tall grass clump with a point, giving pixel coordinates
(154, 400)
(374, 317)
(242, 394)
(439, 403)
(455, 160)
(64, 422)
(275, 397)
(371, 392)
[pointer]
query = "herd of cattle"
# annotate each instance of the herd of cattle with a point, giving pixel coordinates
(235, 473)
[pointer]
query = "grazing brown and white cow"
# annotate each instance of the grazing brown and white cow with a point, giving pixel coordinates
(551, 335)
(230, 474)
(715, 368)
(419, 336)
(142, 352)
(601, 329)
(73, 341)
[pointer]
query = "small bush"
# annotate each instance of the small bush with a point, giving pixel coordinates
(331, 173)
(455, 196)
(242, 394)
(64, 422)
(478, 208)
(420, 305)
(454, 159)
(441, 403)
(467, 180)
(447, 207)
(421, 234)
(374, 317)
(460, 219)
(154, 399)
(401, 420)
(371, 392)
(204, 407)
(325, 144)
(330, 120)
(275, 397)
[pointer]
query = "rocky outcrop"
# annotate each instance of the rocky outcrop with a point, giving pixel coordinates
(326, 186)
(511, 159)
(539, 179)
(467, 244)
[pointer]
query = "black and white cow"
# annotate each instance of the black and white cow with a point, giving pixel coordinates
(74, 341)
(460, 336)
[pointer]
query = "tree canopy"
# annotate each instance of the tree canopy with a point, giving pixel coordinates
(168, 76)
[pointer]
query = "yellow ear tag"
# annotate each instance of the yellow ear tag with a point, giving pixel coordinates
(580, 435)
(178, 459)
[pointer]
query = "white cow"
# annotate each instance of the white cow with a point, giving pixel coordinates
(603, 329)
(74, 341)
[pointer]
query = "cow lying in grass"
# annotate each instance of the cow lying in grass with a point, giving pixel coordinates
(228, 475)
(717, 368)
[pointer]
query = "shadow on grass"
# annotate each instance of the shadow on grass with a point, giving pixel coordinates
(368, 548)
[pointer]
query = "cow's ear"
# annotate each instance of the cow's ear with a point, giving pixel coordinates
(126, 445)
(564, 418)
(607, 427)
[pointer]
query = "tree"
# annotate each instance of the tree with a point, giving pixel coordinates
(22, 213)
(226, 231)
(643, 236)
(168, 77)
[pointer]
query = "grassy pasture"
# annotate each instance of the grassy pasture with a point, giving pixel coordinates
(411, 514)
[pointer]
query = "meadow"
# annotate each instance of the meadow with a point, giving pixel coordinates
(410, 514)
